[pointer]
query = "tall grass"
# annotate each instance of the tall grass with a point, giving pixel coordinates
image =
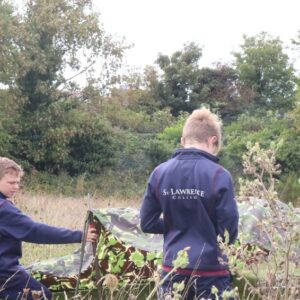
(122, 184)
(61, 211)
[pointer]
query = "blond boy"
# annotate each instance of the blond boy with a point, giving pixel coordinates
(190, 200)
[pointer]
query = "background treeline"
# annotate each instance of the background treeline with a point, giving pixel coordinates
(105, 133)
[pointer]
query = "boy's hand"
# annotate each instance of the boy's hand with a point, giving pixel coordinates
(92, 235)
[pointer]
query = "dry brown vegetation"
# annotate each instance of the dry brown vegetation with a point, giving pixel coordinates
(61, 211)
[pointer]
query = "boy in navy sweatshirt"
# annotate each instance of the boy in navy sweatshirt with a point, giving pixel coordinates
(16, 227)
(190, 200)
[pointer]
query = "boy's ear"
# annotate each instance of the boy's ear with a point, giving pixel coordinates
(214, 140)
(182, 141)
(215, 144)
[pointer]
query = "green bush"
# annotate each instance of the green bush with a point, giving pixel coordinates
(137, 121)
(263, 130)
(110, 183)
(132, 154)
(126, 119)
(6, 121)
(45, 182)
(158, 151)
(40, 139)
(92, 146)
(172, 134)
(288, 154)
(4, 142)
(289, 189)
(161, 148)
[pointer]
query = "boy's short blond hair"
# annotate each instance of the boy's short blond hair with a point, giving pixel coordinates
(201, 125)
(8, 166)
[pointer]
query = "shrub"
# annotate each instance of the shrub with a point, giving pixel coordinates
(289, 189)
(158, 151)
(288, 154)
(92, 146)
(275, 270)
(161, 148)
(263, 130)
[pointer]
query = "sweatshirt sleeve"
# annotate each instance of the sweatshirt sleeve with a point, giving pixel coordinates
(227, 216)
(17, 225)
(150, 212)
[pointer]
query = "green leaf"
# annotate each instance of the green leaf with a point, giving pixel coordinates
(137, 258)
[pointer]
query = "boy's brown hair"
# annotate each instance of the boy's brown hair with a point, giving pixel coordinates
(201, 125)
(8, 166)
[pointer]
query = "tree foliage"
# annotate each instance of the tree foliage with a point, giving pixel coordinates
(219, 89)
(180, 75)
(161, 147)
(249, 128)
(49, 123)
(185, 86)
(264, 67)
(38, 46)
(36, 49)
(289, 153)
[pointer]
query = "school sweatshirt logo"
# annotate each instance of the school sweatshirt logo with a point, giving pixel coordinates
(183, 194)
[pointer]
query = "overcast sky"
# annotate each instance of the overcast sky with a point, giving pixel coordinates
(216, 25)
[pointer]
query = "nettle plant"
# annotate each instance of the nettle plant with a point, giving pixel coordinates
(269, 270)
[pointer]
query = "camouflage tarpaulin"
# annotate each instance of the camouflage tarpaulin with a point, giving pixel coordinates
(123, 249)
(256, 211)
(66, 266)
(123, 223)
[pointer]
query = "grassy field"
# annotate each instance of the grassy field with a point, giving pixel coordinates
(61, 211)
(71, 212)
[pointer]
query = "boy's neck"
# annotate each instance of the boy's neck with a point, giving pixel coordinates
(200, 146)
(208, 146)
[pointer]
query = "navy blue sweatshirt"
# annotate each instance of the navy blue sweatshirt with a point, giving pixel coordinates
(16, 227)
(190, 200)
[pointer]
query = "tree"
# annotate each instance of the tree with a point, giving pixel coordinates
(180, 75)
(5, 138)
(8, 28)
(296, 41)
(93, 145)
(264, 67)
(219, 89)
(185, 86)
(51, 37)
(36, 50)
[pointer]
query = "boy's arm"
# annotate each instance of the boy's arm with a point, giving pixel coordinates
(227, 216)
(19, 226)
(150, 213)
